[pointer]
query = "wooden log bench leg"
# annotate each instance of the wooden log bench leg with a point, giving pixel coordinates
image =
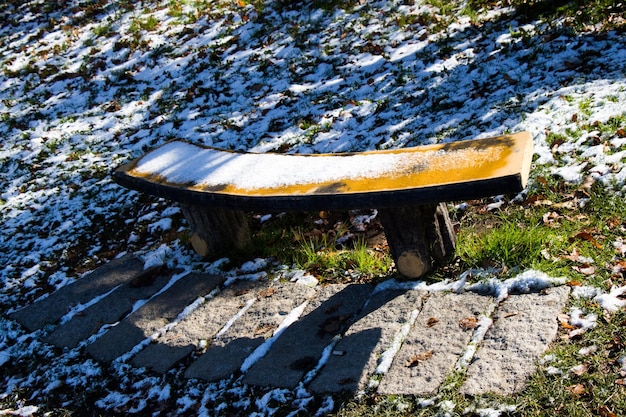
(216, 230)
(420, 238)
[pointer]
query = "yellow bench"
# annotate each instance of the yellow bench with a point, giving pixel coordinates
(407, 186)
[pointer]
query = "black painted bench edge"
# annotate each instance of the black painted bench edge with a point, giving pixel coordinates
(314, 202)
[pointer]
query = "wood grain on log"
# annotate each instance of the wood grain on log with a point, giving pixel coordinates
(420, 238)
(216, 230)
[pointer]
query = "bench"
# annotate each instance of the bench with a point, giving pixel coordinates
(408, 187)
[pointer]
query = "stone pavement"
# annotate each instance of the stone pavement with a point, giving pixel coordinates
(331, 338)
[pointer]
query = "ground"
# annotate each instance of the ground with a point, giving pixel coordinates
(89, 85)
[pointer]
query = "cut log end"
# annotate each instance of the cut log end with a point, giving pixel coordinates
(411, 265)
(421, 238)
(199, 245)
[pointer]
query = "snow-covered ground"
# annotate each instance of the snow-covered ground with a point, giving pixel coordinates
(87, 86)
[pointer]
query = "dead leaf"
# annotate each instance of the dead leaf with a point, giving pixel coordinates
(615, 346)
(333, 308)
(578, 389)
(263, 329)
(147, 277)
(588, 237)
(268, 292)
(564, 322)
(432, 321)
(579, 370)
(574, 256)
(509, 79)
(420, 357)
(618, 267)
(468, 323)
(605, 412)
(333, 325)
(621, 381)
(585, 270)
(551, 218)
(303, 364)
(585, 187)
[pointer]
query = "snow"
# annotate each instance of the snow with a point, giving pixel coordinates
(387, 356)
(208, 168)
(583, 321)
(612, 301)
(262, 349)
(75, 104)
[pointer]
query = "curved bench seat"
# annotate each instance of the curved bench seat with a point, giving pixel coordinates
(214, 186)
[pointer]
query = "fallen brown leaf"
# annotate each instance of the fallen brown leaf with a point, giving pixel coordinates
(509, 79)
(564, 322)
(580, 369)
(420, 357)
(585, 270)
(605, 412)
(578, 389)
(432, 321)
(263, 329)
(588, 237)
(334, 324)
(574, 256)
(619, 266)
(268, 292)
(147, 277)
(333, 308)
(551, 218)
(621, 381)
(468, 323)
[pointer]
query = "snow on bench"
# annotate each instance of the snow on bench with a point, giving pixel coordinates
(408, 187)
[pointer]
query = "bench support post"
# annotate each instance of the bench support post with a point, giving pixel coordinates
(216, 230)
(420, 238)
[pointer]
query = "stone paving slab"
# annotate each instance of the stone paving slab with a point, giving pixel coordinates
(357, 324)
(199, 327)
(523, 328)
(228, 351)
(51, 309)
(152, 316)
(434, 344)
(299, 348)
(355, 357)
(109, 310)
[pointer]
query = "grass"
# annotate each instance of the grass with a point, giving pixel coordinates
(564, 230)
(544, 232)
(561, 229)
(324, 244)
(525, 235)
(576, 14)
